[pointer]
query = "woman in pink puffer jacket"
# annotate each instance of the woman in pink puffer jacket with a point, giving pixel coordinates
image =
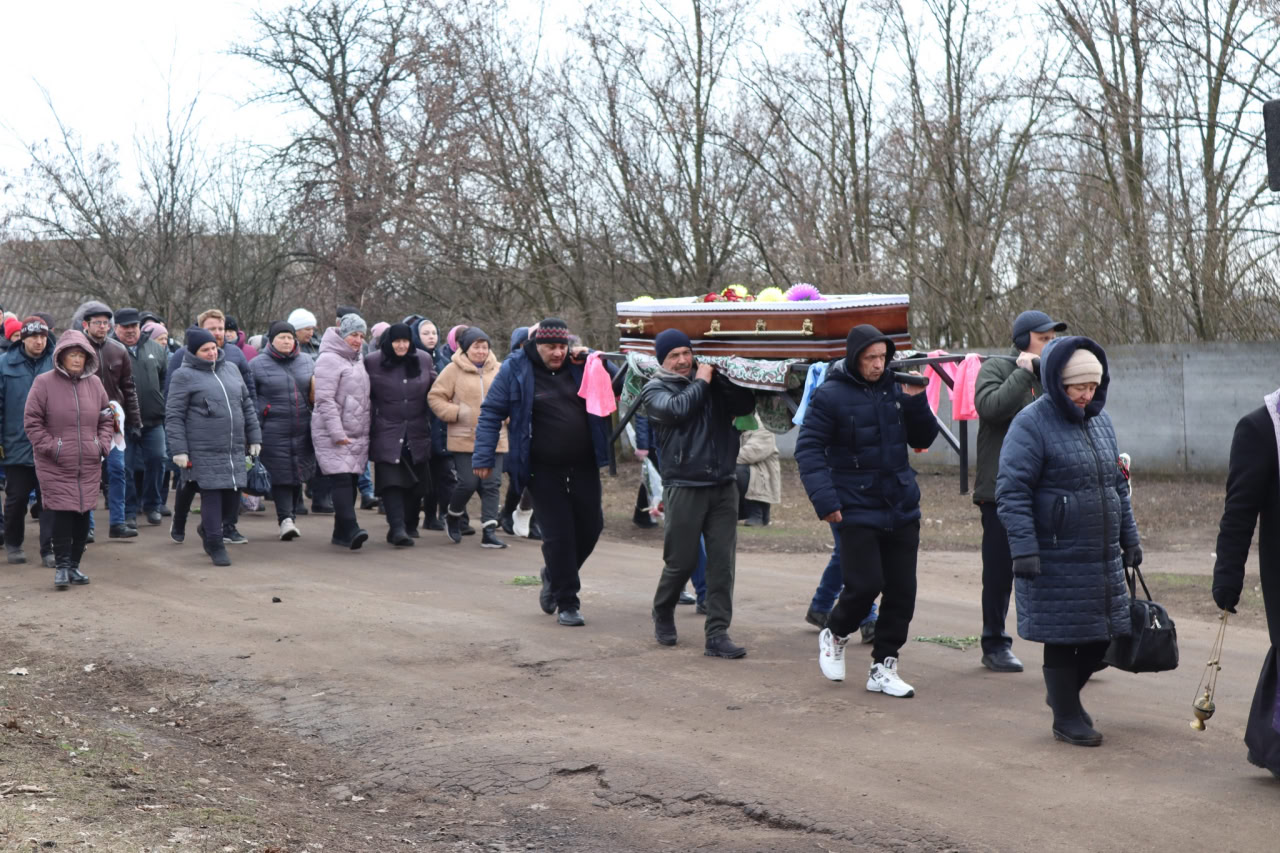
(340, 423)
(69, 421)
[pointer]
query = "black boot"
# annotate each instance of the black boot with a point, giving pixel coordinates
(1068, 716)
(73, 572)
(393, 502)
(62, 556)
(455, 528)
(1083, 675)
(755, 513)
(216, 549)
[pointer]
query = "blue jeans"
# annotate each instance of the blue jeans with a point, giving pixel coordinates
(829, 588)
(365, 483)
(115, 486)
(699, 576)
(147, 457)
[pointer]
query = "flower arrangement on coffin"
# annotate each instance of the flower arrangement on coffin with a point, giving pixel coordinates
(771, 294)
(803, 293)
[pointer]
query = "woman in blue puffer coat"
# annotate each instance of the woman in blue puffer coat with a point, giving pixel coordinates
(1064, 500)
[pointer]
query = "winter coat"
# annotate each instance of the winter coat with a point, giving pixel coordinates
(1003, 389)
(692, 421)
(1253, 498)
(233, 356)
(284, 415)
(341, 408)
(115, 368)
(439, 430)
(510, 399)
(209, 417)
(70, 425)
(400, 415)
(456, 399)
(1062, 497)
(17, 372)
(242, 341)
(852, 450)
(760, 451)
(149, 363)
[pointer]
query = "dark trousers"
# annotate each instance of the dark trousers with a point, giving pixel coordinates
(342, 490)
(217, 508)
(1085, 658)
(70, 525)
(997, 580)
(184, 496)
(468, 484)
(284, 497)
(321, 487)
(444, 478)
(707, 514)
(20, 481)
(396, 502)
(568, 505)
(877, 562)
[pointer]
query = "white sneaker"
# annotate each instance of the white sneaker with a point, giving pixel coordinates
(883, 678)
(520, 522)
(289, 530)
(831, 654)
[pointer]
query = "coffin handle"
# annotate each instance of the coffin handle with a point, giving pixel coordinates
(631, 325)
(761, 330)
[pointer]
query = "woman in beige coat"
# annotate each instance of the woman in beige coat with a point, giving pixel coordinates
(759, 476)
(455, 398)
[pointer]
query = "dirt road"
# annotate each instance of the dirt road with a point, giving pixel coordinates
(439, 681)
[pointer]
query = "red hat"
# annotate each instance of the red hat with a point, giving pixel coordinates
(11, 327)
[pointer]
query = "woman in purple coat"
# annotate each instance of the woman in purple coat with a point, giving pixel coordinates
(340, 423)
(400, 444)
(69, 422)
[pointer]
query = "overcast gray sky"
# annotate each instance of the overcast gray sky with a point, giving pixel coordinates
(105, 67)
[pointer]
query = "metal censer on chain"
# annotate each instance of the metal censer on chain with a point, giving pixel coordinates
(1203, 706)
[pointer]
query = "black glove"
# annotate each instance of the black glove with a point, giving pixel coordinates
(1226, 598)
(1133, 556)
(1026, 567)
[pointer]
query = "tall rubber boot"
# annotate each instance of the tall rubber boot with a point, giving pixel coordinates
(1068, 717)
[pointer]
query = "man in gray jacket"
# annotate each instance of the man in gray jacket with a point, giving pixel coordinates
(691, 411)
(144, 455)
(1005, 386)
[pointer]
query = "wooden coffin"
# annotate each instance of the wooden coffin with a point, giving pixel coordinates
(803, 330)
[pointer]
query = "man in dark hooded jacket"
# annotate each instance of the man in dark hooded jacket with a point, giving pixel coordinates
(854, 461)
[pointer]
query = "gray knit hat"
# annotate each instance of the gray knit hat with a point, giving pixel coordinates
(352, 323)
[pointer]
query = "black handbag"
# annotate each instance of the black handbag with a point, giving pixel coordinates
(259, 482)
(1152, 645)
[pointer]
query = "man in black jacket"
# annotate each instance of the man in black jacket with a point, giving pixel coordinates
(144, 455)
(116, 372)
(1004, 388)
(1253, 502)
(691, 411)
(855, 464)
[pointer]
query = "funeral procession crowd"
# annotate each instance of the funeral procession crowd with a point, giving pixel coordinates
(412, 420)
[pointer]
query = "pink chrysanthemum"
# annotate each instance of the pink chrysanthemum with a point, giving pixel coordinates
(803, 293)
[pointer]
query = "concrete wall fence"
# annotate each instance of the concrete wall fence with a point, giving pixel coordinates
(1174, 406)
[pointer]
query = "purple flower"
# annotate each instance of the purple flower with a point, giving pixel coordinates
(803, 293)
